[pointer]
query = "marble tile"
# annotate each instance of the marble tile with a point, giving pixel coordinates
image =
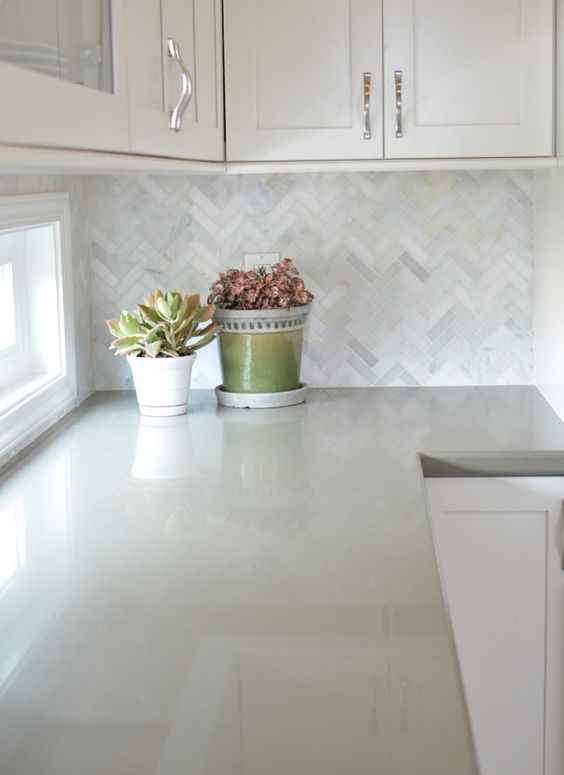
(419, 278)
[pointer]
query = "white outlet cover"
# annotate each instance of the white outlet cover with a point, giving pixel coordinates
(260, 259)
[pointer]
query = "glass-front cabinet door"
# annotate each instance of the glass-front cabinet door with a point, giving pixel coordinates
(62, 82)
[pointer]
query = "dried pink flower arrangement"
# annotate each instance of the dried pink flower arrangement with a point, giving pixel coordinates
(275, 287)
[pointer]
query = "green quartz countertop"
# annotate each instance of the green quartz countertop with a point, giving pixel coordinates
(244, 592)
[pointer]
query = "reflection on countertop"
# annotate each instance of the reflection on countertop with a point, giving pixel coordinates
(239, 592)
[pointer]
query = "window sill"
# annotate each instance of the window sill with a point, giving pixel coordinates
(23, 390)
(33, 407)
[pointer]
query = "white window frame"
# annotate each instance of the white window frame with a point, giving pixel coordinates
(33, 405)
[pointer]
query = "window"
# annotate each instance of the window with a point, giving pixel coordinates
(14, 361)
(37, 372)
(7, 308)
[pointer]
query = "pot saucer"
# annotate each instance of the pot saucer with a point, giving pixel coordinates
(261, 400)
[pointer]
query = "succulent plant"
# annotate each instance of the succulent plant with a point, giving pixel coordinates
(273, 287)
(165, 325)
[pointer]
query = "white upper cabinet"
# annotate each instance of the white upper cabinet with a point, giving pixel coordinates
(175, 78)
(461, 79)
(303, 79)
(468, 79)
(63, 75)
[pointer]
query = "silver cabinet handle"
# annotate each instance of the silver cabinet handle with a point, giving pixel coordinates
(398, 75)
(367, 130)
(177, 113)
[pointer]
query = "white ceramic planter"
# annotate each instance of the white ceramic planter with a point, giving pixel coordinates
(162, 384)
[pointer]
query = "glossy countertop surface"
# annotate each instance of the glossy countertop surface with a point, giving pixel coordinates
(239, 592)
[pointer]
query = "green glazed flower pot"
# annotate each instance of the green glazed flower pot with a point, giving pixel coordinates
(261, 350)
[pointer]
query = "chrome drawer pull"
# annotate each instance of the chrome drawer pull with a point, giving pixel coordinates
(177, 113)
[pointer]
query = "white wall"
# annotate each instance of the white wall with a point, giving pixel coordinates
(548, 279)
(548, 297)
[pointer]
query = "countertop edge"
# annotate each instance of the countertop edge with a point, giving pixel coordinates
(487, 463)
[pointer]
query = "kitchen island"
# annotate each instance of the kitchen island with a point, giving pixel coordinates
(238, 592)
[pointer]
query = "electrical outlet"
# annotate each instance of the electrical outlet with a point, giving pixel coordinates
(260, 259)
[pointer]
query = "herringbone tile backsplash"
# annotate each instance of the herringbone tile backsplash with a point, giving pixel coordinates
(419, 278)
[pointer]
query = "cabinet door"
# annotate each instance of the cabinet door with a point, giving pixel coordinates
(499, 547)
(155, 78)
(476, 78)
(298, 77)
(62, 74)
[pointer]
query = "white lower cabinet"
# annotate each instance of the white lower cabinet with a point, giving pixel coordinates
(499, 545)
(174, 48)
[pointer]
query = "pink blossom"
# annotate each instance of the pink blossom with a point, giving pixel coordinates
(278, 286)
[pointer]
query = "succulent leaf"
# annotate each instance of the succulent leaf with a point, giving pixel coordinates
(163, 309)
(174, 302)
(125, 341)
(207, 329)
(148, 313)
(181, 329)
(169, 335)
(153, 348)
(203, 341)
(181, 313)
(133, 350)
(128, 324)
(206, 313)
(193, 305)
(113, 325)
(152, 330)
